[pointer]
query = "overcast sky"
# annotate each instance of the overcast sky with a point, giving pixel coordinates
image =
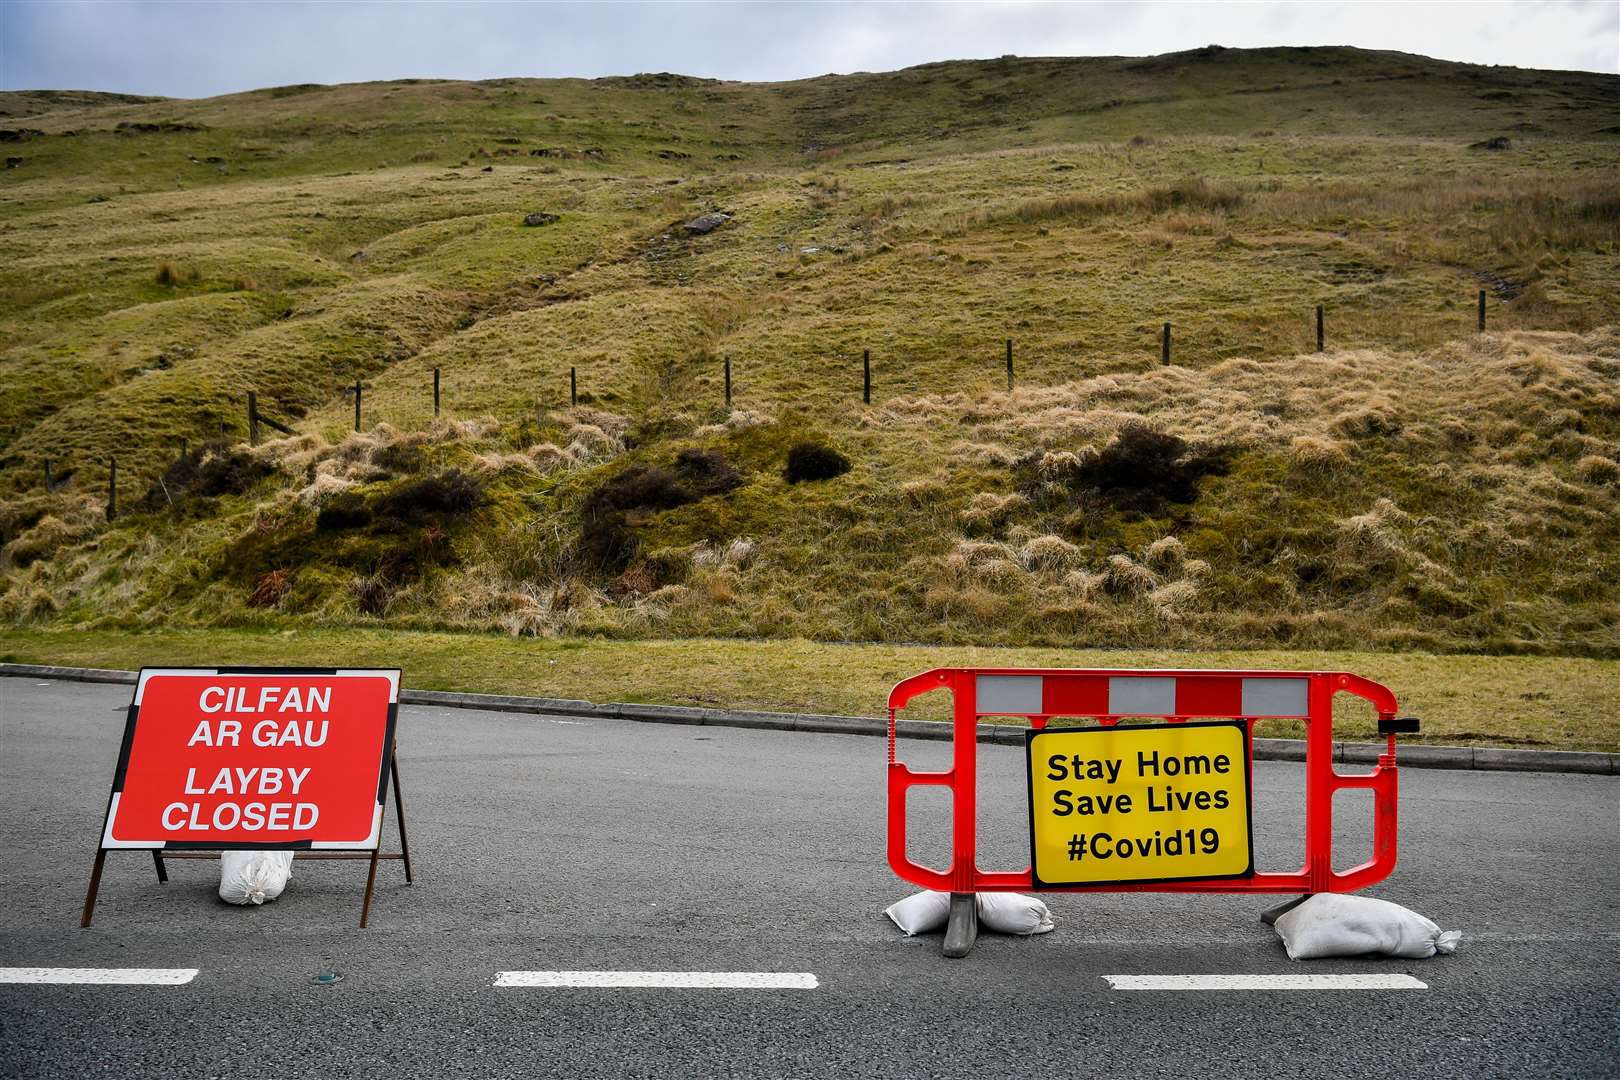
(198, 49)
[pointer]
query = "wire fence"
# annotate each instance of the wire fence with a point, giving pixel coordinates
(55, 479)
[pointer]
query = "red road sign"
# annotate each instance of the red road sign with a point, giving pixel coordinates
(254, 758)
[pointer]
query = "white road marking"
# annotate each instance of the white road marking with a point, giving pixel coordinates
(1264, 982)
(661, 980)
(99, 976)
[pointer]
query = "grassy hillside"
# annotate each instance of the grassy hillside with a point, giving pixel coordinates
(1415, 486)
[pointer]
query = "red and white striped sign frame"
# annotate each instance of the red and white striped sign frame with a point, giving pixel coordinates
(362, 784)
(1109, 696)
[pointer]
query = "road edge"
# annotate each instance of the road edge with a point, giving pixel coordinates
(1491, 758)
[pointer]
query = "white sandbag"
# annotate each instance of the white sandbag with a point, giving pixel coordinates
(252, 877)
(1013, 913)
(920, 913)
(1336, 924)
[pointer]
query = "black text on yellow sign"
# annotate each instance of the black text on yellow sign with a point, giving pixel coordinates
(1165, 802)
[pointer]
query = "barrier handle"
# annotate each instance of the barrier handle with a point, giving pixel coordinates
(916, 685)
(1381, 696)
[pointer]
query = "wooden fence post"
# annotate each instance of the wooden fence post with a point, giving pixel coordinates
(357, 403)
(253, 418)
(435, 391)
(1318, 327)
(1482, 311)
(866, 376)
(728, 382)
(50, 485)
(573, 387)
(112, 488)
(1164, 347)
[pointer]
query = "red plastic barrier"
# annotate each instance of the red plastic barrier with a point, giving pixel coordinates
(1175, 697)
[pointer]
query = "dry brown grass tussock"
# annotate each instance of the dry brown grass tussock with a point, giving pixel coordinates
(1193, 193)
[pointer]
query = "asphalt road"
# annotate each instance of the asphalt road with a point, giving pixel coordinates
(557, 844)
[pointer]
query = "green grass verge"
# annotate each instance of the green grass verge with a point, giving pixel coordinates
(1544, 702)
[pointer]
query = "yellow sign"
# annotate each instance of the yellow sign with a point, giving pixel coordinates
(1161, 802)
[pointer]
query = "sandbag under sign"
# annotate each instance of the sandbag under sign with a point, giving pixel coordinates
(1337, 924)
(1005, 913)
(252, 877)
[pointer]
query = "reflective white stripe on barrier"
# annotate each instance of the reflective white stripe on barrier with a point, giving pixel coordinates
(1276, 697)
(1009, 693)
(1146, 696)
(1140, 695)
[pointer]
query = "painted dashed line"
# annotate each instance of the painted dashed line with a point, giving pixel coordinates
(98, 976)
(729, 980)
(1264, 982)
(659, 980)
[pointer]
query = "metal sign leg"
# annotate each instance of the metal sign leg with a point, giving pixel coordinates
(376, 852)
(399, 812)
(162, 871)
(371, 886)
(95, 884)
